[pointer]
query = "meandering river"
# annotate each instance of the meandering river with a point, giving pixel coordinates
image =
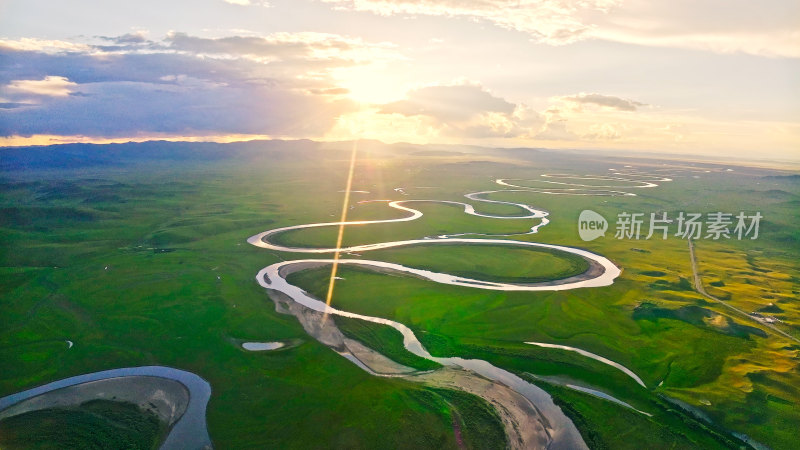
(552, 428)
(530, 417)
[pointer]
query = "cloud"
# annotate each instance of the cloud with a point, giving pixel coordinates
(138, 37)
(453, 103)
(247, 2)
(281, 85)
(551, 21)
(131, 108)
(50, 86)
(606, 101)
(461, 110)
(555, 128)
(466, 110)
(302, 46)
(556, 131)
(735, 26)
(47, 46)
(770, 29)
(12, 105)
(330, 91)
(603, 132)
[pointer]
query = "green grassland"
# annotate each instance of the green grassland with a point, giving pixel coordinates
(93, 424)
(718, 362)
(438, 219)
(479, 423)
(384, 338)
(146, 263)
(162, 274)
(488, 263)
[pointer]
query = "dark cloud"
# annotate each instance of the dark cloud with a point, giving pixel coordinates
(128, 38)
(608, 101)
(129, 92)
(12, 105)
(129, 108)
(308, 46)
(242, 45)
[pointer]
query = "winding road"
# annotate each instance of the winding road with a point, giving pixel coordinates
(698, 286)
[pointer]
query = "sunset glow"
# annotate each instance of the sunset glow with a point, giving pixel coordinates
(620, 75)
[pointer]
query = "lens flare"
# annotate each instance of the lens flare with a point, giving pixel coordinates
(342, 221)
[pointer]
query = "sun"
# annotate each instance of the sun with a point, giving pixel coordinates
(370, 85)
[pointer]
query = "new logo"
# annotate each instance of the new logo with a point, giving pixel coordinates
(591, 225)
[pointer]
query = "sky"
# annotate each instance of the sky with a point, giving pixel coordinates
(710, 77)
